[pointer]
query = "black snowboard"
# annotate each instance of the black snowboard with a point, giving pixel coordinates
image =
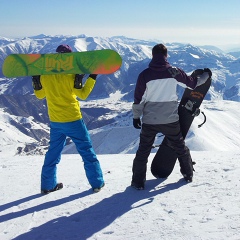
(165, 158)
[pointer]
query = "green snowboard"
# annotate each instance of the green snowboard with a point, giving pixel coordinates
(104, 61)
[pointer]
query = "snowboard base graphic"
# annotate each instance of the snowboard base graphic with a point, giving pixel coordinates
(164, 161)
(104, 61)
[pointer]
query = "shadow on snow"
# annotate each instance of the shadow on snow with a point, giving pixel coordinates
(92, 219)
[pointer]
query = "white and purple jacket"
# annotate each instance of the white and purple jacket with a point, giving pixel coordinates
(155, 97)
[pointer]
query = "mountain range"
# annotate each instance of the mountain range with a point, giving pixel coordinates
(21, 112)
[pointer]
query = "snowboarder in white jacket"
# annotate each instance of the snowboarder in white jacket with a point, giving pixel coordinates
(155, 101)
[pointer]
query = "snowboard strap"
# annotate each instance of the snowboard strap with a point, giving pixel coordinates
(205, 119)
(190, 106)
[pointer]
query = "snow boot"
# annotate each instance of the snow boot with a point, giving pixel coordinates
(96, 190)
(138, 186)
(58, 187)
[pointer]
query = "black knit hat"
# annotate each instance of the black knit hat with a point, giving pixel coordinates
(63, 49)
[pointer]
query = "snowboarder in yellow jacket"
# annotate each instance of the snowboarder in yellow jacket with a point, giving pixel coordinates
(61, 92)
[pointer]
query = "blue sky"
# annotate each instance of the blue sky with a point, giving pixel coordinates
(200, 22)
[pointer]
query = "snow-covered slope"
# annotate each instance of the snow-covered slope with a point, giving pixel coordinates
(220, 132)
(206, 209)
(22, 135)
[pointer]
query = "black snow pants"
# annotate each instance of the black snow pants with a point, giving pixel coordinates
(175, 140)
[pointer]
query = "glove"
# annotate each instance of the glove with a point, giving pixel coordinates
(36, 83)
(93, 76)
(78, 81)
(208, 71)
(137, 123)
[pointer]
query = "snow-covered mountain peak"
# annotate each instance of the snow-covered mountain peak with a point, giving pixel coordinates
(16, 96)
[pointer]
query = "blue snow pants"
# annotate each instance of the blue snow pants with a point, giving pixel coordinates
(78, 132)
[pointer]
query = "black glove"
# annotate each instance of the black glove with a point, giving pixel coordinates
(78, 81)
(93, 76)
(197, 72)
(36, 83)
(137, 123)
(208, 71)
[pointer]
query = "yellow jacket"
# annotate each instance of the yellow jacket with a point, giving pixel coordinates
(61, 96)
